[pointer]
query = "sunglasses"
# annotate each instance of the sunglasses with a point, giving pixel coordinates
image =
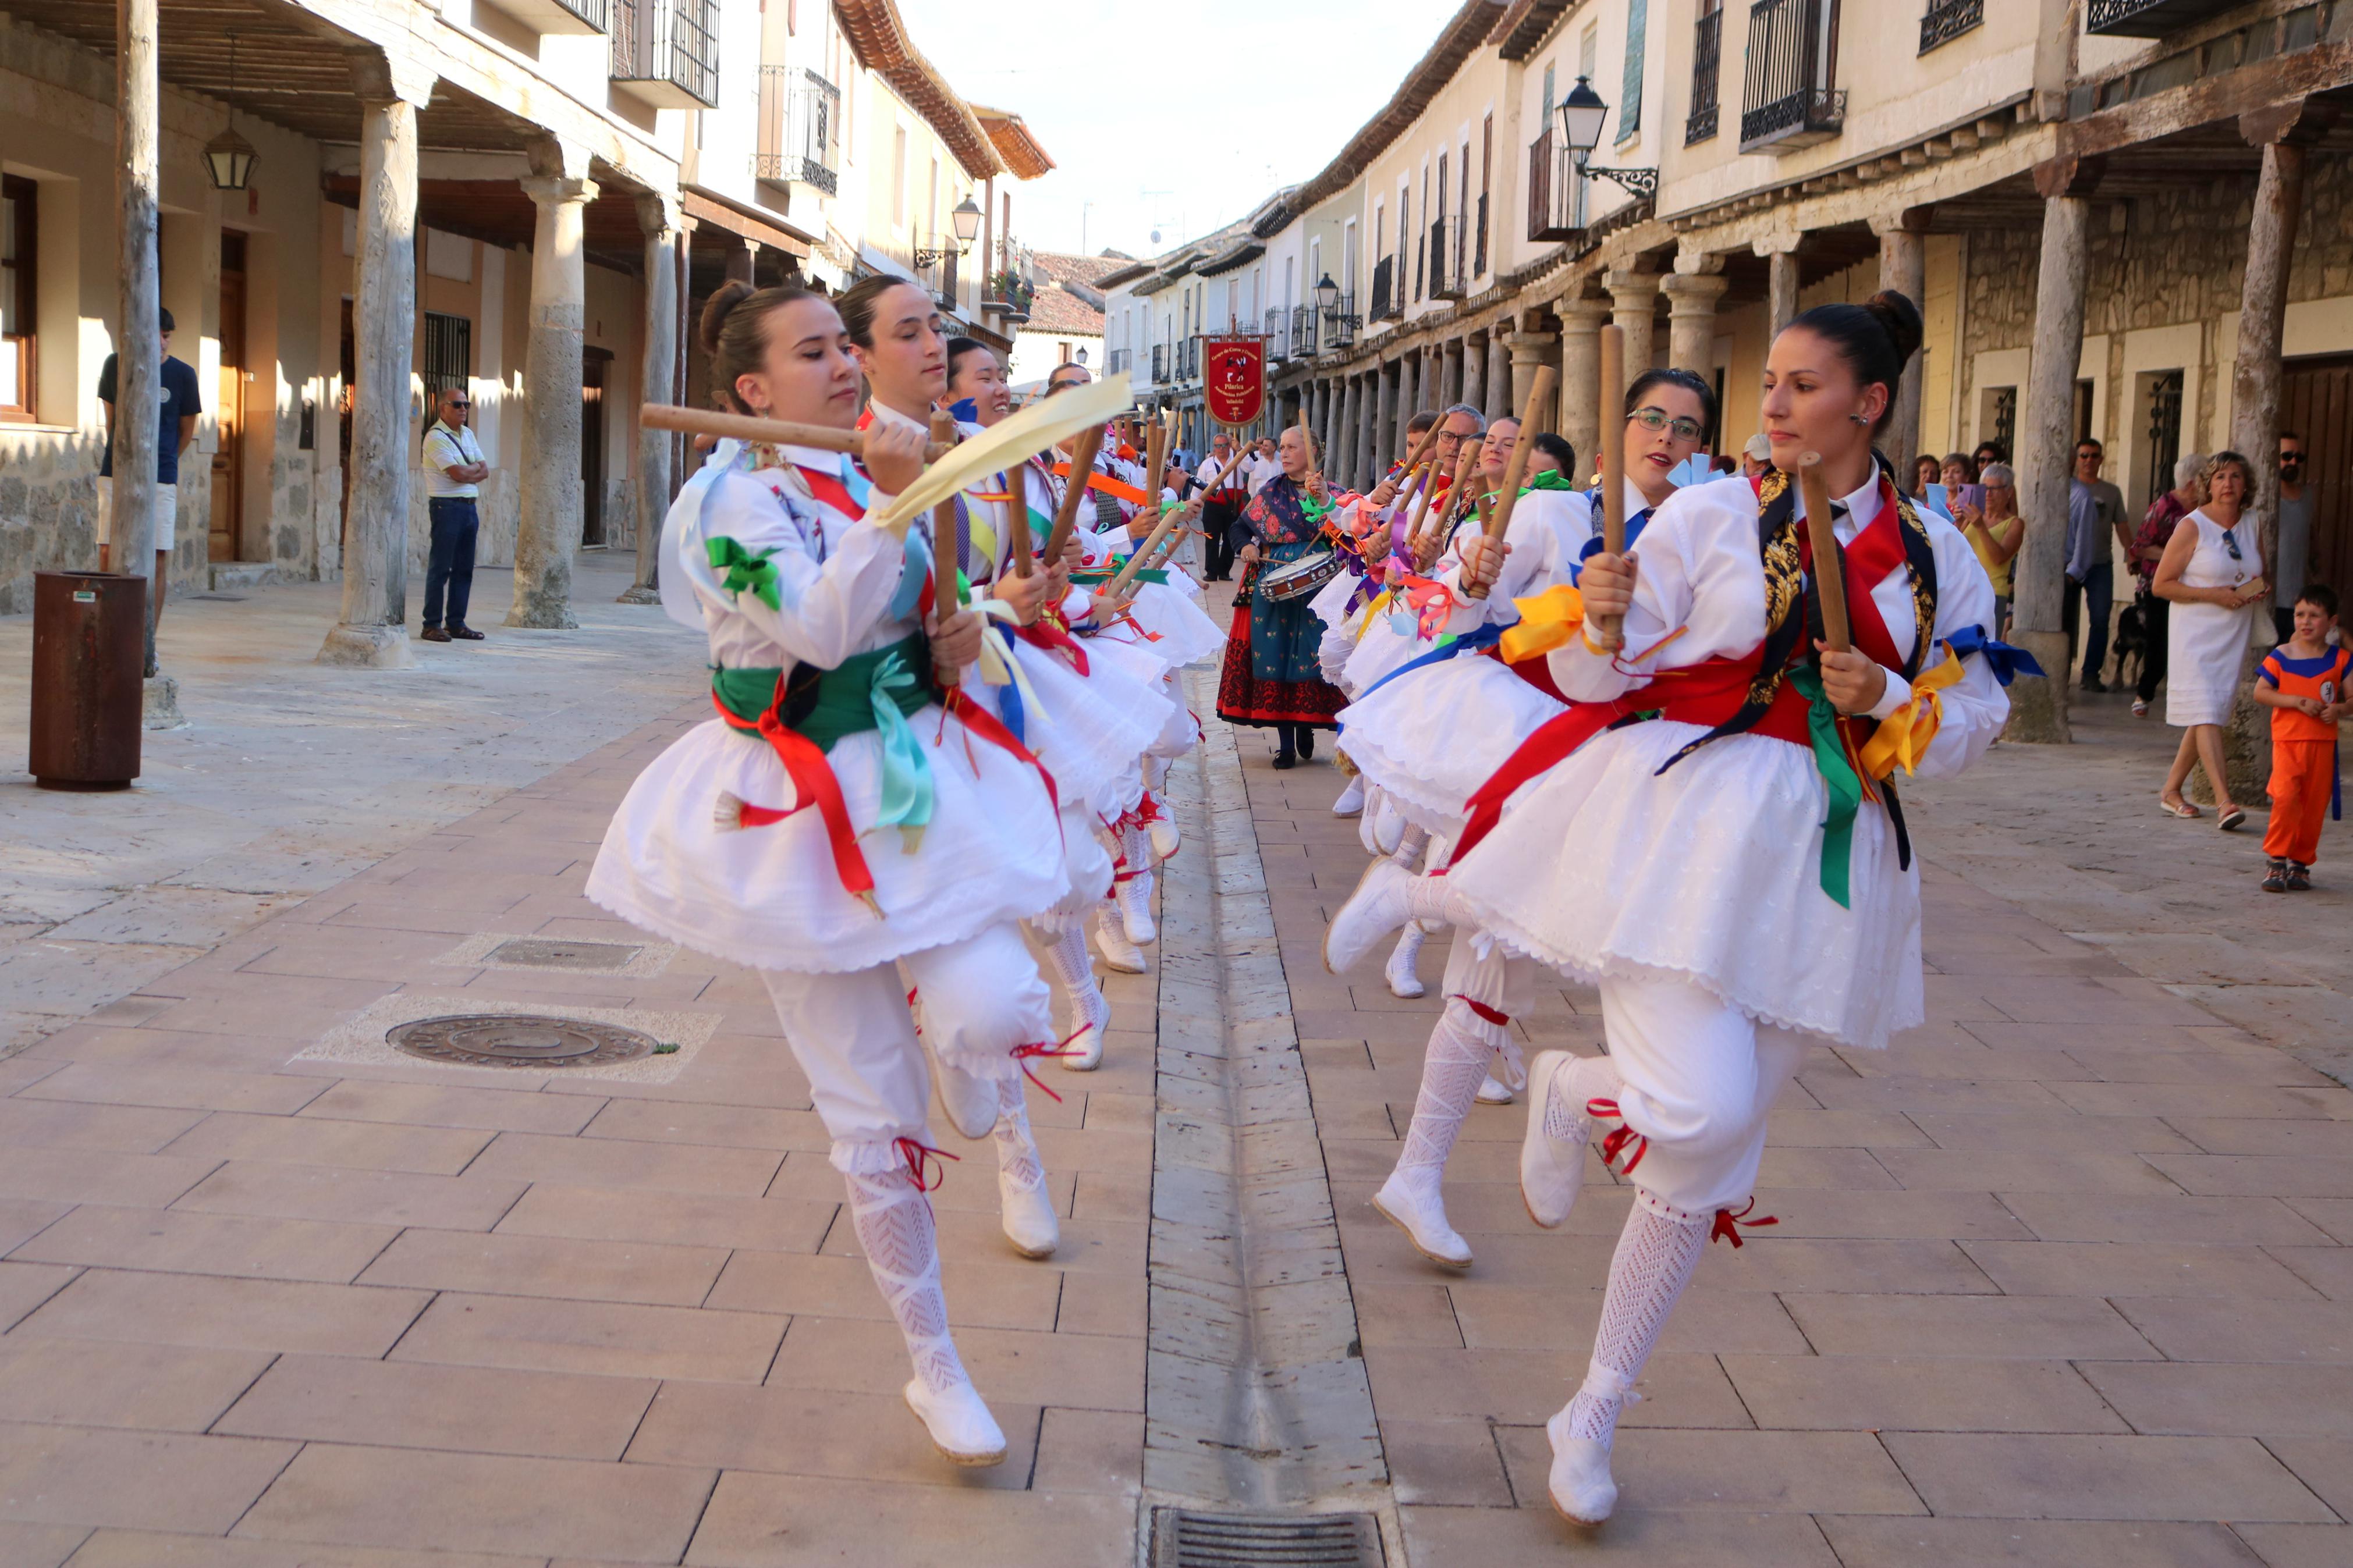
(2231, 544)
(1655, 419)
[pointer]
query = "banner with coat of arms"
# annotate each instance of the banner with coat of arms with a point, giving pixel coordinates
(1233, 378)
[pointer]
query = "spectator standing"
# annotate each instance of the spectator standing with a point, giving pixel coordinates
(2294, 562)
(1995, 533)
(2213, 573)
(2096, 511)
(2147, 549)
(454, 471)
(1261, 466)
(1223, 482)
(181, 401)
(1926, 471)
(1990, 452)
(1757, 456)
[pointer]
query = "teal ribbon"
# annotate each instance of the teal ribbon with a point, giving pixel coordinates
(1845, 789)
(744, 570)
(906, 800)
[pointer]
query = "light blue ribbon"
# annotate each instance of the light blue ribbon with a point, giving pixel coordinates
(906, 802)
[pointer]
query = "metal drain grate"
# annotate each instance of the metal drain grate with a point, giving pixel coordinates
(519, 1040)
(1191, 1538)
(543, 952)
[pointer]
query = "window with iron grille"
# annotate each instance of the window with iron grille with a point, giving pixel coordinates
(1707, 70)
(1638, 36)
(2164, 430)
(1946, 20)
(449, 354)
(19, 311)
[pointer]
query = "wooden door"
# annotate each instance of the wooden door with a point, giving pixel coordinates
(592, 447)
(2317, 402)
(229, 410)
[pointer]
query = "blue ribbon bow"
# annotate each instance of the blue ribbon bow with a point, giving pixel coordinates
(2007, 663)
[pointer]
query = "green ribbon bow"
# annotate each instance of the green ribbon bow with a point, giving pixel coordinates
(1547, 481)
(1314, 510)
(744, 570)
(1838, 776)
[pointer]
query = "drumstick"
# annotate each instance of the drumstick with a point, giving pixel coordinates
(747, 428)
(1515, 467)
(1829, 580)
(1610, 630)
(1066, 516)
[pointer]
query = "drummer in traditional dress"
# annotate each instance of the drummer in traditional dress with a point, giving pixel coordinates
(851, 820)
(1270, 675)
(1708, 833)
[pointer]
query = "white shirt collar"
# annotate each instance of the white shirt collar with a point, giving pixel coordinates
(886, 415)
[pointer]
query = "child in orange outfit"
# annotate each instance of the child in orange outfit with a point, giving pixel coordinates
(2303, 682)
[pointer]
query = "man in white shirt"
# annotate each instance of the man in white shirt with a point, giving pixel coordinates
(1261, 465)
(1221, 478)
(454, 471)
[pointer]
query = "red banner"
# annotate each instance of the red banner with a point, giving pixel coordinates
(1233, 379)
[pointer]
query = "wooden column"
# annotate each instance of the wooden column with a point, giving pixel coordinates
(2046, 450)
(1409, 394)
(1780, 254)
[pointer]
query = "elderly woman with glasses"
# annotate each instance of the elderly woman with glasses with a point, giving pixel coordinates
(1995, 534)
(2213, 574)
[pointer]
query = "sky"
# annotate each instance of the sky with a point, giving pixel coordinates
(1181, 131)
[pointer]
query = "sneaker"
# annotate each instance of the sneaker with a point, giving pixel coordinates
(1411, 1201)
(1135, 900)
(1111, 941)
(2275, 877)
(2299, 877)
(1166, 839)
(1377, 907)
(1402, 970)
(960, 1425)
(1352, 799)
(1582, 1489)
(1493, 1091)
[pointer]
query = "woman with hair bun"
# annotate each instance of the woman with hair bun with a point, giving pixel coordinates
(764, 834)
(1690, 836)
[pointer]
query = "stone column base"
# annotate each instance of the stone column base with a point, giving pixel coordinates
(368, 647)
(640, 593)
(159, 704)
(2038, 703)
(551, 614)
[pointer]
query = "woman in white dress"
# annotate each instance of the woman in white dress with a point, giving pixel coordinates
(1690, 836)
(849, 814)
(2212, 574)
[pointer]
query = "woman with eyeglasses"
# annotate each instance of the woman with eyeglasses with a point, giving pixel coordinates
(1996, 533)
(1692, 837)
(2212, 576)
(1429, 738)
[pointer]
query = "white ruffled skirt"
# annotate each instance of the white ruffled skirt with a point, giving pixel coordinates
(1176, 630)
(770, 898)
(1428, 739)
(1708, 875)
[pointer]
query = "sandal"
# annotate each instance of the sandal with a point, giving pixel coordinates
(2177, 806)
(2232, 818)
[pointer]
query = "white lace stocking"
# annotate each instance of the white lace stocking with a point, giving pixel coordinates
(1410, 844)
(1425, 899)
(1656, 1253)
(1075, 971)
(1451, 1067)
(894, 1229)
(1584, 1079)
(1136, 843)
(1018, 1158)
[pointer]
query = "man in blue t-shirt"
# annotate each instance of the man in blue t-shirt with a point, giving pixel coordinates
(179, 403)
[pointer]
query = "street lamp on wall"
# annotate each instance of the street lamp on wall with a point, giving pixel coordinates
(965, 219)
(229, 157)
(1582, 113)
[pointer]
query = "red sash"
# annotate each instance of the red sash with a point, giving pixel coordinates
(813, 785)
(1050, 632)
(1703, 694)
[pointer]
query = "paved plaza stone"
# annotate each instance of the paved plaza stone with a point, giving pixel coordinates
(2062, 1278)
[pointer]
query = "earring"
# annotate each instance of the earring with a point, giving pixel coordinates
(1858, 419)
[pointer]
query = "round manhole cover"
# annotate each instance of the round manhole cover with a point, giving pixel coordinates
(519, 1040)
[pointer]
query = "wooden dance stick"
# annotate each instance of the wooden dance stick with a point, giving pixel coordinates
(1066, 516)
(1830, 581)
(1016, 519)
(1609, 631)
(1515, 468)
(1422, 479)
(1448, 515)
(1120, 585)
(747, 428)
(949, 519)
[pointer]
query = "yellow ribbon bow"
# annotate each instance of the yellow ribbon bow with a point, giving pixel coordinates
(1546, 622)
(998, 667)
(1903, 737)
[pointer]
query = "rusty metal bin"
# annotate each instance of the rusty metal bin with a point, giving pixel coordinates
(90, 647)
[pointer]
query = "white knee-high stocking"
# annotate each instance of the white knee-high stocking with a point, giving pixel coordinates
(1075, 971)
(893, 1220)
(1018, 1160)
(1656, 1254)
(1453, 1066)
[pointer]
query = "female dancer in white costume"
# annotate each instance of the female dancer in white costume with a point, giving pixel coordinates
(1432, 735)
(1712, 862)
(1111, 693)
(761, 837)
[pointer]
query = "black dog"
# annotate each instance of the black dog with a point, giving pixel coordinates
(2130, 644)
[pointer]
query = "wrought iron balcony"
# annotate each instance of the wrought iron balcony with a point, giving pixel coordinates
(800, 116)
(1386, 306)
(1278, 334)
(1946, 20)
(1341, 321)
(1117, 360)
(1159, 362)
(1707, 70)
(666, 52)
(1446, 280)
(575, 17)
(2150, 19)
(1551, 204)
(1790, 101)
